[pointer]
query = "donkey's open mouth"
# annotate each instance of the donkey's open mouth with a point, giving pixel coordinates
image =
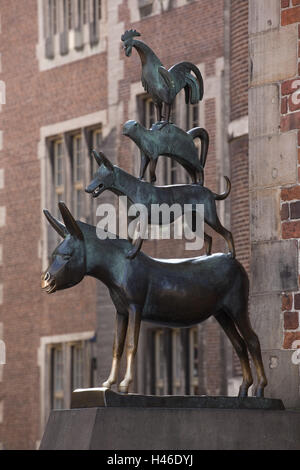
(48, 284)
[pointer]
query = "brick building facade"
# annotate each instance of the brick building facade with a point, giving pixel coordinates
(69, 87)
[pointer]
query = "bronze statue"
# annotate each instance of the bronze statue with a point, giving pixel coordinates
(113, 178)
(176, 293)
(171, 141)
(162, 84)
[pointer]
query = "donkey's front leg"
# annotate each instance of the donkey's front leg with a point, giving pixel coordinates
(131, 346)
(119, 340)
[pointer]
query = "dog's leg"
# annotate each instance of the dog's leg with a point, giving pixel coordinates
(119, 340)
(212, 219)
(208, 244)
(132, 344)
(138, 241)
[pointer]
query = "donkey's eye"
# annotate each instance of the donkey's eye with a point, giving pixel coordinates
(66, 257)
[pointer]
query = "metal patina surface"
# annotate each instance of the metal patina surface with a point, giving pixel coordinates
(104, 397)
(162, 84)
(175, 292)
(113, 178)
(169, 140)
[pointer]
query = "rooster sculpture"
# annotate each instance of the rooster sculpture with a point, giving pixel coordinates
(162, 84)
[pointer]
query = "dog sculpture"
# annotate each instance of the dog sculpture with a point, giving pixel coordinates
(176, 293)
(113, 178)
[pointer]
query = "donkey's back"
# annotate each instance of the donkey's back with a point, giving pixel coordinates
(185, 292)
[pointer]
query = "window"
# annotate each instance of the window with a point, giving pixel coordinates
(71, 171)
(84, 11)
(97, 145)
(160, 364)
(78, 177)
(77, 364)
(192, 116)
(70, 14)
(59, 173)
(57, 378)
(194, 361)
(67, 362)
(69, 26)
(71, 366)
(149, 116)
(145, 7)
(177, 363)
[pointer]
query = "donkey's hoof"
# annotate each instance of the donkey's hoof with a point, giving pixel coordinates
(243, 391)
(259, 393)
(123, 389)
(108, 383)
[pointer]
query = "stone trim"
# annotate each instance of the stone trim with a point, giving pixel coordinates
(73, 54)
(70, 125)
(43, 363)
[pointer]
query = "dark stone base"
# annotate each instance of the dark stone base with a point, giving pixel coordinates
(121, 427)
(104, 397)
(171, 429)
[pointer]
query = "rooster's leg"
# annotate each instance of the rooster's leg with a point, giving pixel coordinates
(169, 109)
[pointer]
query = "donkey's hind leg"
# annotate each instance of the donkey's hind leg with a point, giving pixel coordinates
(241, 349)
(253, 344)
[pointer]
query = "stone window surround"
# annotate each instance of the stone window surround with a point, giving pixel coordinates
(43, 363)
(73, 54)
(46, 132)
(156, 8)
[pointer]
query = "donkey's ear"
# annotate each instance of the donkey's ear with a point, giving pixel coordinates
(71, 224)
(97, 157)
(56, 224)
(102, 159)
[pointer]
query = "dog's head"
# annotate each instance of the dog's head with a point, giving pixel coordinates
(104, 176)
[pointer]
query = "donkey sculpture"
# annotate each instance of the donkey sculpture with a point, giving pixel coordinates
(174, 293)
(113, 178)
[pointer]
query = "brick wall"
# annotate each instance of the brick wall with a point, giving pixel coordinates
(290, 196)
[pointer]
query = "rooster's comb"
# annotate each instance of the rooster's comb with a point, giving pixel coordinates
(131, 33)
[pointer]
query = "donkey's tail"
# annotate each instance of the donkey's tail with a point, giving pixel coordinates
(220, 197)
(204, 137)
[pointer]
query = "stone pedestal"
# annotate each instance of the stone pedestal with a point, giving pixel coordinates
(167, 423)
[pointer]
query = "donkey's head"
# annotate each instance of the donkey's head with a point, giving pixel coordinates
(68, 265)
(104, 177)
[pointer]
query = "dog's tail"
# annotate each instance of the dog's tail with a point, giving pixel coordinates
(220, 197)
